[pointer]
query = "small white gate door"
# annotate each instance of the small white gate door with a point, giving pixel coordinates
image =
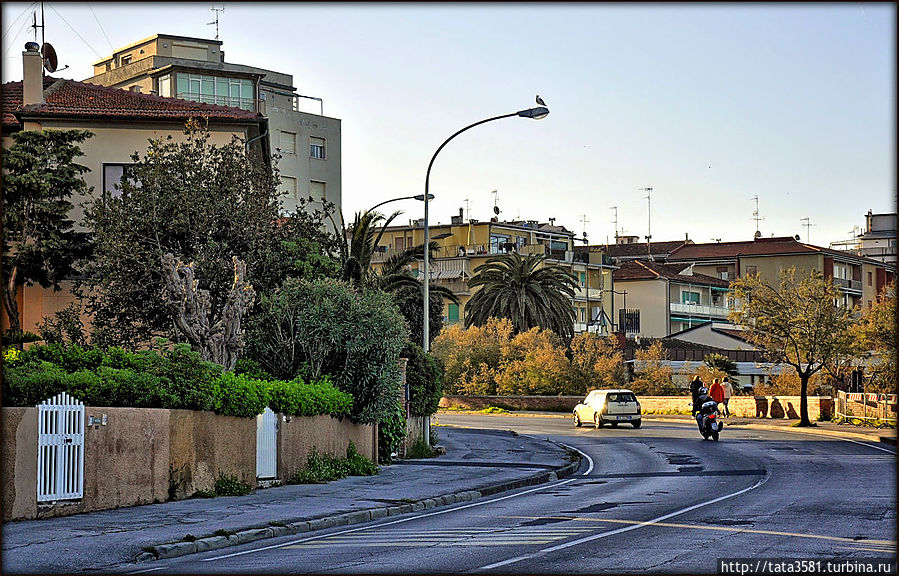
(60, 449)
(267, 444)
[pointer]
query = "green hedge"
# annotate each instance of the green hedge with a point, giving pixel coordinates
(177, 378)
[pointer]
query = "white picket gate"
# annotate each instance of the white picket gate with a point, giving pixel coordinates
(60, 449)
(267, 444)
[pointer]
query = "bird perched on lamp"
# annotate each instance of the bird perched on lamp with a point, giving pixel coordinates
(540, 100)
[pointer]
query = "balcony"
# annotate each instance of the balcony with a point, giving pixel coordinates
(250, 104)
(697, 310)
(852, 286)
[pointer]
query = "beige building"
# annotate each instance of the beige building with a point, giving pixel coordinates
(464, 246)
(122, 122)
(195, 69)
(657, 300)
(858, 279)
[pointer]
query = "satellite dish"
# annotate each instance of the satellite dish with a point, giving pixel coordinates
(49, 54)
(496, 209)
(797, 237)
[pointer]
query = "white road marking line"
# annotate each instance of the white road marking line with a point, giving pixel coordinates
(147, 570)
(403, 520)
(893, 452)
(620, 530)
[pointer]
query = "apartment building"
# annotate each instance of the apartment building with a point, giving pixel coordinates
(661, 299)
(877, 242)
(858, 279)
(122, 122)
(465, 245)
(195, 69)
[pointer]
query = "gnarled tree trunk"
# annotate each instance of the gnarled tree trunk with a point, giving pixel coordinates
(219, 342)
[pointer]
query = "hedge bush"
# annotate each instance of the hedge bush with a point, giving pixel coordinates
(176, 379)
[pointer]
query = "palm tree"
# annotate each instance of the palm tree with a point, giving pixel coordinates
(513, 287)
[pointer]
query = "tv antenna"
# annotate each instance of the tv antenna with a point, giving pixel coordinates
(216, 21)
(584, 221)
(615, 222)
(48, 53)
(807, 223)
(756, 217)
(495, 207)
(467, 209)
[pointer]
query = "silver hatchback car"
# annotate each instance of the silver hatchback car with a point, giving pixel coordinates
(612, 407)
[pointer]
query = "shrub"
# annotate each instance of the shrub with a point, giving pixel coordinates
(193, 379)
(19, 337)
(420, 450)
(357, 464)
(238, 395)
(321, 468)
(252, 369)
(424, 375)
(32, 382)
(391, 433)
(231, 486)
(299, 398)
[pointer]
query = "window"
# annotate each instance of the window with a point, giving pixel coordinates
(317, 148)
(126, 60)
(222, 91)
(721, 272)
(165, 86)
(288, 142)
(870, 279)
(289, 186)
(318, 191)
(629, 321)
(690, 297)
(452, 313)
(499, 244)
(113, 174)
(582, 278)
(752, 270)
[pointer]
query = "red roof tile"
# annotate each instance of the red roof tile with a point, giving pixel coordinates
(759, 247)
(68, 98)
(644, 270)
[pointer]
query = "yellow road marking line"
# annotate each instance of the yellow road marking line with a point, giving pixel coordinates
(714, 528)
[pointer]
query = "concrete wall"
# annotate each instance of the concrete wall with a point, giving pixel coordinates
(650, 297)
(744, 406)
(145, 455)
(326, 435)
(204, 445)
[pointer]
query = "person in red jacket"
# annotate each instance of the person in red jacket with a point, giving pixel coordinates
(716, 391)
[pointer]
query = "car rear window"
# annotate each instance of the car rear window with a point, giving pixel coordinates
(622, 397)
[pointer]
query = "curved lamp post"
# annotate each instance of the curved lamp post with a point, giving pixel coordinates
(419, 197)
(533, 113)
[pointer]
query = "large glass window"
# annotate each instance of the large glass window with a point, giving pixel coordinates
(236, 92)
(113, 174)
(317, 148)
(690, 297)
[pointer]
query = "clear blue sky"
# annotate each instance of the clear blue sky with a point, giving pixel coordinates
(708, 104)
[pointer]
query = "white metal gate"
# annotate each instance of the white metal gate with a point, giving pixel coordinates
(60, 449)
(267, 444)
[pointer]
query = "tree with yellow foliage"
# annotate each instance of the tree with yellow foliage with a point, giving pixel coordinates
(596, 363)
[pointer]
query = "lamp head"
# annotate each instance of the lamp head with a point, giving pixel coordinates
(535, 113)
(421, 197)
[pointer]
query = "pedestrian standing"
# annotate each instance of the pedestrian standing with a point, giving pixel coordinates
(716, 392)
(695, 386)
(728, 392)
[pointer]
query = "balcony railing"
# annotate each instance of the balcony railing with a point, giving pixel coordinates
(697, 310)
(852, 285)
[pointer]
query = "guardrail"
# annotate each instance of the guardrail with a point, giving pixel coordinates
(867, 409)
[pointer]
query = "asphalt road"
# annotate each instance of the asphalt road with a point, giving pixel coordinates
(658, 500)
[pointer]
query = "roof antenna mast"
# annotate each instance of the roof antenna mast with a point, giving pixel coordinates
(756, 217)
(216, 21)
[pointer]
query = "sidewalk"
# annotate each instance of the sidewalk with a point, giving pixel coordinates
(477, 463)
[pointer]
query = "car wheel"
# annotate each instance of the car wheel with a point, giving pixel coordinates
(597, 421)
(636, 423)
(577, 421)
(614, 424)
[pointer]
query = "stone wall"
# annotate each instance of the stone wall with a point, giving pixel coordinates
(745, 406)
(145, 455)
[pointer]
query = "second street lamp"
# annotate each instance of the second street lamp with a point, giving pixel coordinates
(533, 113)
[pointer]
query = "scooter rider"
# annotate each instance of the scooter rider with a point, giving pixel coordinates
(699, 410)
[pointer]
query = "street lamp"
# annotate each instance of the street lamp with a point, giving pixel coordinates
(419, 197)
(533, 113)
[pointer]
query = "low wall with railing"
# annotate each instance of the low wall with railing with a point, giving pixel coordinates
(743, 406)
(138, 456)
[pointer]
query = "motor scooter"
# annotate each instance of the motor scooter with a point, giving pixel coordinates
(709, 420)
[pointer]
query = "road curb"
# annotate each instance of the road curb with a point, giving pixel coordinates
(800, 430)
(276, 528)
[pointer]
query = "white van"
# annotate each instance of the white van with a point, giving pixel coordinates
(603, 407)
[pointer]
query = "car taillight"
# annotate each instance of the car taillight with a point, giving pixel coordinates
(711, 416)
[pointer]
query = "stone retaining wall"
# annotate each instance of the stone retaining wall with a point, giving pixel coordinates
(744, 406)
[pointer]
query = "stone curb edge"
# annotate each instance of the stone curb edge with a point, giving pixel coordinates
(176, 549)
(813, 431)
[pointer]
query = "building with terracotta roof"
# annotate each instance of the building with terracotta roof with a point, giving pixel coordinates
(195, 69)
(877, 242)
(465, 245)
(858, 279)
(629, 248)
(122, 122)
(660, 299)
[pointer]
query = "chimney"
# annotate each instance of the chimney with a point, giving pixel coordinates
(32, 74)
